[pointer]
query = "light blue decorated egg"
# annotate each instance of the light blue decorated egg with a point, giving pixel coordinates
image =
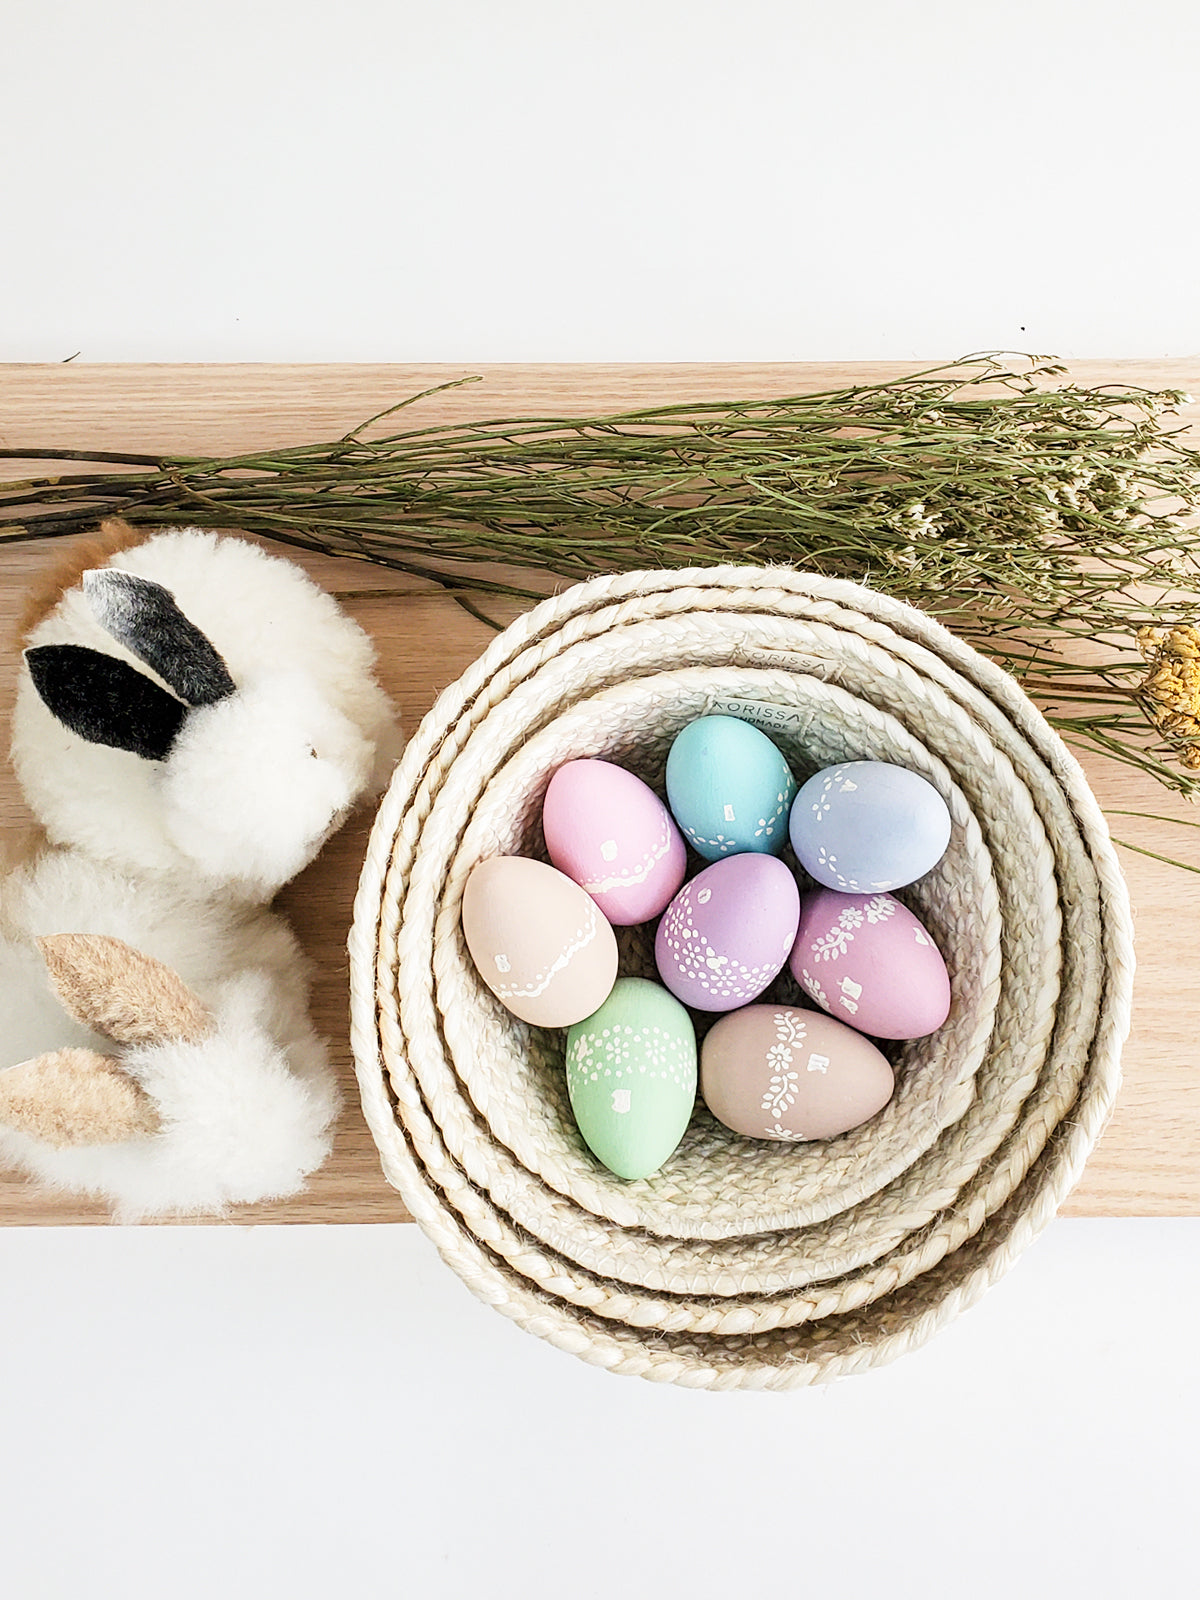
(631, 1077)
(866, 826)
(729, 788)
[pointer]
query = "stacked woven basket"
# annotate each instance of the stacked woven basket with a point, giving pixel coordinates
(743, 1264)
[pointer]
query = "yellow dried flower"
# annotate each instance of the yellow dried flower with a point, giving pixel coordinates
(1170, 690)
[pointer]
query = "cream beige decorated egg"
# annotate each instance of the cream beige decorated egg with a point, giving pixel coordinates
(540, 942)
(779, 1072)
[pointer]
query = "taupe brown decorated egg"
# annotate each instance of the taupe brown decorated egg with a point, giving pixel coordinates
(779, 1072)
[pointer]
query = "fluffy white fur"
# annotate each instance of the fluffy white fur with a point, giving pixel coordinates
(178, 859)
(257, 782)
(239, 1122)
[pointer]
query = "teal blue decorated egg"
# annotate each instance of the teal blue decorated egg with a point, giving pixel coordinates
(729, 788)
(631, 1077)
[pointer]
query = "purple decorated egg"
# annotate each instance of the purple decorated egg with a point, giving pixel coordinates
(869, 962)
(727, 933)
(610, 832)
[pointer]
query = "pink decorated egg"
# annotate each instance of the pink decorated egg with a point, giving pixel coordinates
(610, 833)
(727, 933)
(869, 962)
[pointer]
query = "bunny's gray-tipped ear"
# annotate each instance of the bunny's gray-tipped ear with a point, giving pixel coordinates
(143, 617)
(105, 701)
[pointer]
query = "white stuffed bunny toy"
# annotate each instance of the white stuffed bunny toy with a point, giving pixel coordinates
(194, 718)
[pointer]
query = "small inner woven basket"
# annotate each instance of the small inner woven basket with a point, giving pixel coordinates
(716, 1184)
(868, 1277)
(854, 1234)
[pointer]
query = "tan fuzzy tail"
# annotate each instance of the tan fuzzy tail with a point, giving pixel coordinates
(75, 1097)
(113, 536)
(108, 985)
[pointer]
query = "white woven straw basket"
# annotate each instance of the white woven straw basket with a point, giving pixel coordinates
(743, 1263)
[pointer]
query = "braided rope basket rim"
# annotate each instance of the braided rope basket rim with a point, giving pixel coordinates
(496, 1154)
(543, 1232)
(829, 1344)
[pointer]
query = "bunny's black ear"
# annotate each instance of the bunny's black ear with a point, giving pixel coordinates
(143, 617)
(105, 701)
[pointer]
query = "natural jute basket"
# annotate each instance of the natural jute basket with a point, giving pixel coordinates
(743, 1263)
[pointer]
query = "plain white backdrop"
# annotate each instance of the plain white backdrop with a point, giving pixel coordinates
(641, 180)
(254, 1413)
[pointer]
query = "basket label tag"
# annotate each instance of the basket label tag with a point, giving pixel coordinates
(763, 655)
(764, 714)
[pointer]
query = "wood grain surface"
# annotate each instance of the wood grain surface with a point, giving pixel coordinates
(1148, 1162)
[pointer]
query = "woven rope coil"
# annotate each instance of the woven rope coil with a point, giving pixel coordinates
(743, 1264)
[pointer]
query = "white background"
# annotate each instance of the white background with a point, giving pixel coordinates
(641, 180)
(309, 1412)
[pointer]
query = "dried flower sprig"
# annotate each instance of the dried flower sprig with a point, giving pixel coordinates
(1171, 690)
(1051, 525)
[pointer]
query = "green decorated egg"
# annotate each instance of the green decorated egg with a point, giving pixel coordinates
(631, 1076)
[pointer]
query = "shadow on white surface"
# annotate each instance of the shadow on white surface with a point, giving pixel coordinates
(317, 1411)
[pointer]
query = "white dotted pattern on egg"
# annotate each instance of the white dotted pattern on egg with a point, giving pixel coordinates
(623, 1051)
(537, 983)
(728, 932)
(632, 873)
(722, 976)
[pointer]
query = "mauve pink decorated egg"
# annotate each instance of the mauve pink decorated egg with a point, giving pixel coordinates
(611, 833)
(869, 962)
(728, 931)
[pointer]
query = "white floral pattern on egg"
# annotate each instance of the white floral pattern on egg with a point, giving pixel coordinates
(867, 960)
(727, 933)
(776, 1072)
(865, 826)
(729, 788)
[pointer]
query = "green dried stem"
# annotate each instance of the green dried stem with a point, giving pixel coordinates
(1014, 506)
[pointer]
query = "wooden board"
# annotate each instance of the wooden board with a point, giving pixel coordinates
(1148, 1162)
